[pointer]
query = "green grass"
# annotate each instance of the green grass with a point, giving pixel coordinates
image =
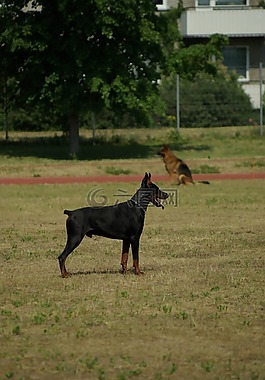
(254, 163)
(196, 313)
(116, 171)
(133, 151)
(206, 169)
(138, 143)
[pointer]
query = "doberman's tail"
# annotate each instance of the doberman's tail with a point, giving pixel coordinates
(204, 182)
(68, 212)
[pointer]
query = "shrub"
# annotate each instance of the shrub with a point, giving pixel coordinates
(208, 102)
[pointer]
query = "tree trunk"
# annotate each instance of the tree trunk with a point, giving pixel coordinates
(73, 122)
(93, 122)
(6, 109)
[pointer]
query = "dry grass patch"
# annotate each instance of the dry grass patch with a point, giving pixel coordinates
(197, 313)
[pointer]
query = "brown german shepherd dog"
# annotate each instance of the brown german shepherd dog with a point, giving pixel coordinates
(176, 168)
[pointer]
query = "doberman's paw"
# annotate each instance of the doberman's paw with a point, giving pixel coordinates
(123, 268)
(139, 273)
(66, 275)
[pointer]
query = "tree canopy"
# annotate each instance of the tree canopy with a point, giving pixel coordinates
(69, 57)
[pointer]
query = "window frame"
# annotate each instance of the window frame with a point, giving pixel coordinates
(162, 7)
(240, 78)
(213, 4)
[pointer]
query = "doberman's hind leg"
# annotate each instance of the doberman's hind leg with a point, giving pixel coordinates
(135, 253)
(124, 255)
(72, 243)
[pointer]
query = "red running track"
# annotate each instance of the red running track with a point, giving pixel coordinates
(122, 178)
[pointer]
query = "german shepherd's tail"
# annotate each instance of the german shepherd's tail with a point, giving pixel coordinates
(204, 182)
(186, 179)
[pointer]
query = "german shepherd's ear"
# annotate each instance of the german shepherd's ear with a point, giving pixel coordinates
(163, 150)
(146, 180)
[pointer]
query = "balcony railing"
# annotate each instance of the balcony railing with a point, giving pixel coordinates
(205, 21)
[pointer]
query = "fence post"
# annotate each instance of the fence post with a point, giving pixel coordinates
(6, 110)
(177, 103)
(261, 99)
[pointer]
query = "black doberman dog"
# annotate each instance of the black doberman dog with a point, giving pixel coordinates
(123, 221)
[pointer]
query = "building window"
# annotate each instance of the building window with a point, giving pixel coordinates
(203, 3)
(229, 2)
(220, 3)
(161, 5)
(236, 59)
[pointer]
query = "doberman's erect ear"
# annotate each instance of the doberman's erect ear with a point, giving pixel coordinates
(149, 179)
(145, 180)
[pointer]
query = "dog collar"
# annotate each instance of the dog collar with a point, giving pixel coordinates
(138, 205)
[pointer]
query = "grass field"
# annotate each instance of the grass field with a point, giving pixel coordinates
(196, 313)
(133, 151)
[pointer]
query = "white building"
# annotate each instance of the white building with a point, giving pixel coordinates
(243, 21)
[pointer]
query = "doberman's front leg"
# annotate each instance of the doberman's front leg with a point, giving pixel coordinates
(135, 253)
(124, 255)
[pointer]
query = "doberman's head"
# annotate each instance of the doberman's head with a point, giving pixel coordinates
(163, 151)
(151, 192)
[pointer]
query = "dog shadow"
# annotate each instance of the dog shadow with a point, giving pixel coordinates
(129, 272)
(94, 271)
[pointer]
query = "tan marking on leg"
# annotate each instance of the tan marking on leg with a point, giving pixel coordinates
(64, 272)
(124, 256)
(124, 260)
(136, 267)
